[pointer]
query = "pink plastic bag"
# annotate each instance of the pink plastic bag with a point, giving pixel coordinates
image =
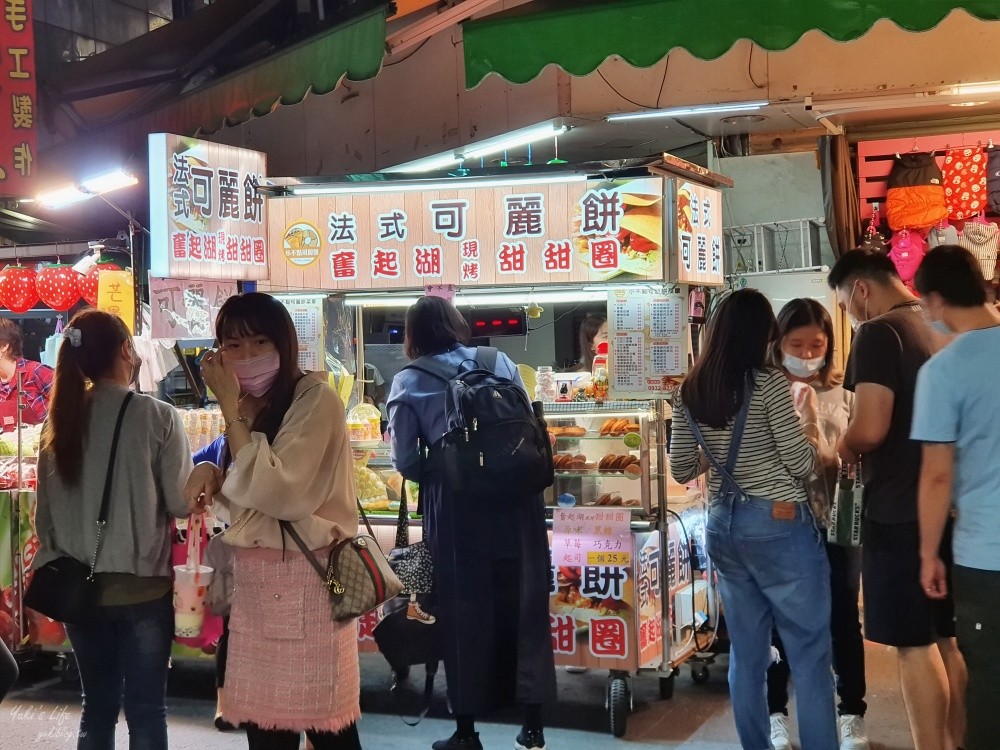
(211, 630)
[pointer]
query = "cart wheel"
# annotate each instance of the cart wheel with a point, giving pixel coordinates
(667, 687)
(700, 674)
(618, 706)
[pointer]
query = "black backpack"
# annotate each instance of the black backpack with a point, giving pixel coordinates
(497, 441)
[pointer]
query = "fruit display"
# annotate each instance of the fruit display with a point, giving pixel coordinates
(370, 488)
(618, 427)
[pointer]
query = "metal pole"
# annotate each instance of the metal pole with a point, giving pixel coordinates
(17, 574)
(666, 663)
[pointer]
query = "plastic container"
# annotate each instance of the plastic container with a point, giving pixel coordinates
(601, 380)
(545, 385)
(191, 582)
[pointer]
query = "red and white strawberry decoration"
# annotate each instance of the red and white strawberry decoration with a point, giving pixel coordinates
(17, 286)
(58, 286)
(88, 284)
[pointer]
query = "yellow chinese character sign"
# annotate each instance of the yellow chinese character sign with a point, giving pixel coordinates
(116, 295)
(18, 100)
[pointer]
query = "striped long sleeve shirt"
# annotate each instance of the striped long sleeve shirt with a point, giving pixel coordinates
(774, 456)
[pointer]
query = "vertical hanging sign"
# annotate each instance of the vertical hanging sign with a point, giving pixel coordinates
(18, 114)
(116, 295)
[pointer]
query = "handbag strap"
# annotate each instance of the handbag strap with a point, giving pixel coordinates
(287, 526)
(403, 522)
(102, 516)
(427, 699)
(725, 472)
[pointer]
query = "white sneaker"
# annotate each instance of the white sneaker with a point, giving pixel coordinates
(853, 735)
(779, 732)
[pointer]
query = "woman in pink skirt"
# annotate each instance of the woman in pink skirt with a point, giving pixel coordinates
(291, 667)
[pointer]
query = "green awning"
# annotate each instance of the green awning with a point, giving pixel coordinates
(579, 36)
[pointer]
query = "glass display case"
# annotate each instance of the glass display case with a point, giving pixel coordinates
(606, 454)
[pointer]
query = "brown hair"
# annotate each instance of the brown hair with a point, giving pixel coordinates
(588, 330)
(10, 336)
(799, 313)
(101, 337)
(258, 314)
(433, 325)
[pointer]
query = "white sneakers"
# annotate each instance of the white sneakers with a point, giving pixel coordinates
(853, 735)
(851, 729)
(780, 739)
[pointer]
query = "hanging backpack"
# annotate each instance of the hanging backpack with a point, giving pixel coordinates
(915, 196)
(497, 441)
(964, 173)
(981, 239)
(908, 249)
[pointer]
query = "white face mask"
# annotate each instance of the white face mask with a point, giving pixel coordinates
(803, 368)
(855, 323)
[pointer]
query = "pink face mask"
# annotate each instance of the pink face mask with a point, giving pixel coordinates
(257, 375)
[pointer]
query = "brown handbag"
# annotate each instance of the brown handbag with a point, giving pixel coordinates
(357, 573)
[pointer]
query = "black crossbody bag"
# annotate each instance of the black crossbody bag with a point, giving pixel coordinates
(64, 589)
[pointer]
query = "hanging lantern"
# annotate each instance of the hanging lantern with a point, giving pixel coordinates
(58, 286)
(17, 286)
(88, 283)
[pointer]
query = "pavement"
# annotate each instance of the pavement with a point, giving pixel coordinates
(43, 713)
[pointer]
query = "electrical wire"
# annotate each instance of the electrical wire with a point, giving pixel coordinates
(620, 94)
(404, 59)
(553, 322)
(750, 67)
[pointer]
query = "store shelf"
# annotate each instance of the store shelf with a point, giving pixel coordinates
(577, 409)
(595, 474)
(592, 437)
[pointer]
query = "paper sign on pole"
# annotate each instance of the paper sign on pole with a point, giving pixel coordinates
(116, 295)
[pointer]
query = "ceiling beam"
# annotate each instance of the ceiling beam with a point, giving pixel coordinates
(422, 30)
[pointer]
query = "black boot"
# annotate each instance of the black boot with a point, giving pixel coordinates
(457, 742)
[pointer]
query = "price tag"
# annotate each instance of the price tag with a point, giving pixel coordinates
(622, 559)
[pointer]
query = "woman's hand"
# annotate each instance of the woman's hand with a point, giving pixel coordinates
(202, 486)
(223, 381)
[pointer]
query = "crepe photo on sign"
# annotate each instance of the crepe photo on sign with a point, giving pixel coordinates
(637, 242)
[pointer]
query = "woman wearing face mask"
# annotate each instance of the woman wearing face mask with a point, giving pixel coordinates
(123, 650)
(290, 668)
(803, 351)
(593, 333)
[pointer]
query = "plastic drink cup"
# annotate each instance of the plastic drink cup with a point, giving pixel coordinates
(190, 589)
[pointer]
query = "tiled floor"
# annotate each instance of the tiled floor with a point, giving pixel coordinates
(42, 714)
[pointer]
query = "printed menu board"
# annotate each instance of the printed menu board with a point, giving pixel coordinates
(307, 315)
(648, 342)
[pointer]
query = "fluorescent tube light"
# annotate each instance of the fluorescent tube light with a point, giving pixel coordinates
(386, 300)
(105, 183)
(409, 187)
(63, 197)
(708, 109)
(520, 299)
(514, 140)
(429, 164)
(976, 89)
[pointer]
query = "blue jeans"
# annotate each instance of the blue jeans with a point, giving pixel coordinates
(124, 652)
(774, 573)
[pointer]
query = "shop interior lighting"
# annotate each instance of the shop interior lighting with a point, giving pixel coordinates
(71, 194)
(708, 109)
(429, 164)
(976, 89)
(63, 197)
(105, 183)
(515, 140)
(408, 187)
(481, 150)
(381, 300)
(518, 299)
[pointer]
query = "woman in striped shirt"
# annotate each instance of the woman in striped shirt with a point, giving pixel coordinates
(735, 418)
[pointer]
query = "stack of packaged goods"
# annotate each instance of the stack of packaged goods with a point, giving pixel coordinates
(202, 426)
(31, 436)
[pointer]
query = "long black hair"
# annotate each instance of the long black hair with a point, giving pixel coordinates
(258, 314)
(738, 340)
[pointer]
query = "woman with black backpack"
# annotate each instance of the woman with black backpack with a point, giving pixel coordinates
(490, 550)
